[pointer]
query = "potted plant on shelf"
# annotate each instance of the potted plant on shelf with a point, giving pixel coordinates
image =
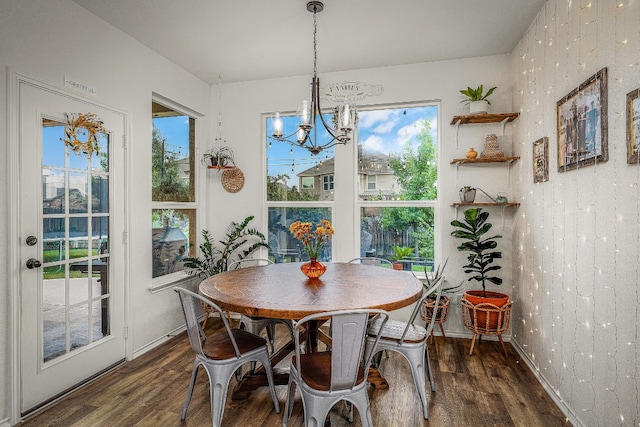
(218, 158)
(400, 253)
(481, 258)
(467, 194)
(477, 99)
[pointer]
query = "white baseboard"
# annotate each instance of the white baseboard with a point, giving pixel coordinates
(547, 387)
(5, 422)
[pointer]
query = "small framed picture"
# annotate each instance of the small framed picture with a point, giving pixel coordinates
(582, 124)
(633, 126)
(541, 160)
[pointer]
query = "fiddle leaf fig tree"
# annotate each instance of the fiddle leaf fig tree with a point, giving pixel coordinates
(481, 247)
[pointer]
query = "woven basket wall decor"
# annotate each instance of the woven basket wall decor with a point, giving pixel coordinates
(232, 180)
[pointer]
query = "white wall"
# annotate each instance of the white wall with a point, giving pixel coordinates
(49, 40)
(576, 237)
(243, 105)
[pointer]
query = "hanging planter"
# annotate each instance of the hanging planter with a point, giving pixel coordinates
(218, 158)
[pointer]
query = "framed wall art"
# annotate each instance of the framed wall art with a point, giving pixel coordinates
(582, 124)
(633, 126)
(541, 160)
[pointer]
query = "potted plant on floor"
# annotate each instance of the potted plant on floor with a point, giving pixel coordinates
(400, 253)
(481, 259)
(240, 242)
(429, 309)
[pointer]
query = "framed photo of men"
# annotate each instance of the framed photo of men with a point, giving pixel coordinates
(582, 124)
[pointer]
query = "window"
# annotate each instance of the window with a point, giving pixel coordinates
(371, 182)
(395, 187)
(173, 216)
(327, 182)
(397, 158)
(307, 182)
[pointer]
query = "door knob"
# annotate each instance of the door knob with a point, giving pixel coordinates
(33, 263)
(31, 240)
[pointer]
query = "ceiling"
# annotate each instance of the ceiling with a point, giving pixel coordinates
(260, 39)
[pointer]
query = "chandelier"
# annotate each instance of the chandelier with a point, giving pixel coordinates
(306, 134)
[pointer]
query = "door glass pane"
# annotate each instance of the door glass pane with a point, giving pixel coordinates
(75, 286)
(77, 160)
(79, 326)
(78, 192)
(54, 333)
(78, 237)
(53, 195)
(53, 152)
(99, 194)
(283, 247)
(78, 282)
(53, 241)
(100, 158)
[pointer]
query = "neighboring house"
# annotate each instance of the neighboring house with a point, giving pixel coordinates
(375, 177)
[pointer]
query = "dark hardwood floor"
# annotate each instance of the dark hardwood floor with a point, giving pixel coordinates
(486, 389)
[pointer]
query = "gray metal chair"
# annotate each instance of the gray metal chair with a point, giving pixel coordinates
(370, 260)
(327, 377)
(256, 324)
(220, 354)
(410, 340)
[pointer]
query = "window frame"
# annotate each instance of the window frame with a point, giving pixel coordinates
(164, 281)
(346, 173)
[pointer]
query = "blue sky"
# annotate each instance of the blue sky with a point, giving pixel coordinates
(385, 130)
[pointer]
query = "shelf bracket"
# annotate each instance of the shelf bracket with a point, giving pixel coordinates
(503, 208)
(457, 129)
(504, 124)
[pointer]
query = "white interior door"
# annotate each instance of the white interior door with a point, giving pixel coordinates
(72, 209)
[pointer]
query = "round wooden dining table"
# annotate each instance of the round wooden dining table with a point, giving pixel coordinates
(282, 291)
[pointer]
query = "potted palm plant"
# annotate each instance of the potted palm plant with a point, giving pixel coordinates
(482, 255)
(400, 253)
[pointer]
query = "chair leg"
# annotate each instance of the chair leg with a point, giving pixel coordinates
(442, 330)
(218, 386)
(288, 405)
(416, 361)
(264, 359)
(473, 341)
(192, 383)
(271, 332)
(427, 365)
(361, 402)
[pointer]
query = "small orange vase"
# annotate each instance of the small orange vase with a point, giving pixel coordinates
(313, 269)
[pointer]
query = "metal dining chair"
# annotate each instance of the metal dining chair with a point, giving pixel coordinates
(410, 340)
(324, 378)
(377, 261)
(220, 354)
(255, 324)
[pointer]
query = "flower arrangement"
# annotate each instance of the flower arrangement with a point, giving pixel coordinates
(312, 240)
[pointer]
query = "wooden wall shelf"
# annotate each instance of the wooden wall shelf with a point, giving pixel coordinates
(503, 205)
(484, 118)
(479, 160)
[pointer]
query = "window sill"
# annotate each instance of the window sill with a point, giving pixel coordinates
(163, 283)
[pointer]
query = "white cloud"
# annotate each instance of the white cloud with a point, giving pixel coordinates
(374, 143)
(386, 127)
(369, 118)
